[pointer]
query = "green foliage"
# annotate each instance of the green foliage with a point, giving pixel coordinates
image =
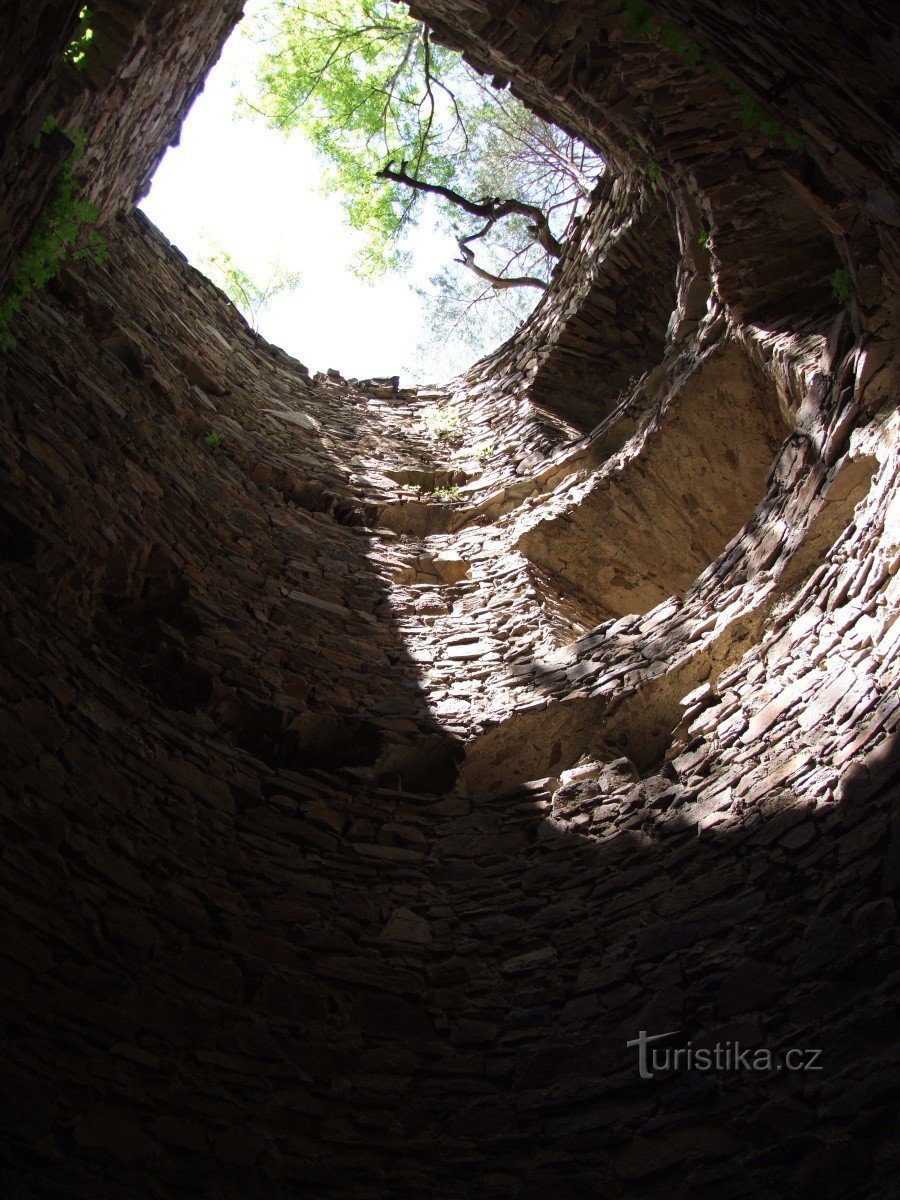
(408, 129)
(445, 493)
(444, 424)
(241, 288)
(76, 51)
(63, 231)
(48, 126)
(703, 238)
(641, 22)
(366, 85)
(349, 74)
(754, 117)
(639, 18)
(483, 453)
(215, 440)
(681, 46)
(842, 287)
(643, 162)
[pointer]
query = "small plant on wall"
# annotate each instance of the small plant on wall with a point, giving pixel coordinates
(842, 286)
(64, 230)
(642, 22)
(644, 163)
(76, 52)
(445, 423)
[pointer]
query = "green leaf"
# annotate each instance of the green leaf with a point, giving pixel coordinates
(842, 287)
(61, 231)
(246, 293)
(365, 85)
(76, 51)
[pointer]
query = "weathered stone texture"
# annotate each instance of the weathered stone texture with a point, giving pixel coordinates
(33, 39)
(145, 65)
(349, 832)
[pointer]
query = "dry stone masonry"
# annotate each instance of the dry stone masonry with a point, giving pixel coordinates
(376, 771)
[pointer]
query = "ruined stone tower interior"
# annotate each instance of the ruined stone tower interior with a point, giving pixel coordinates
(351, 834)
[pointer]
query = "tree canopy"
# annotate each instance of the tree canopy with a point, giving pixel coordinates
(251, 296)
(401, 120)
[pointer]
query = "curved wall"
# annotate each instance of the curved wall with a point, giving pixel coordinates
(350, 833)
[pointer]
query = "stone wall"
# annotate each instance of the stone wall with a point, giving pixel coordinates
(145, 63)
(366, 791)
(144, 66)
(33, 41)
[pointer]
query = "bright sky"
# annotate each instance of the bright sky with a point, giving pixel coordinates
(260, 197)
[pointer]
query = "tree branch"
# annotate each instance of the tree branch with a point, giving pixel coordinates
(489, 209)
(429, 96)
(498, 282)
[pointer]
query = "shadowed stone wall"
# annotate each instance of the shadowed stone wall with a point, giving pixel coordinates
(141, 70)
(351, 832)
